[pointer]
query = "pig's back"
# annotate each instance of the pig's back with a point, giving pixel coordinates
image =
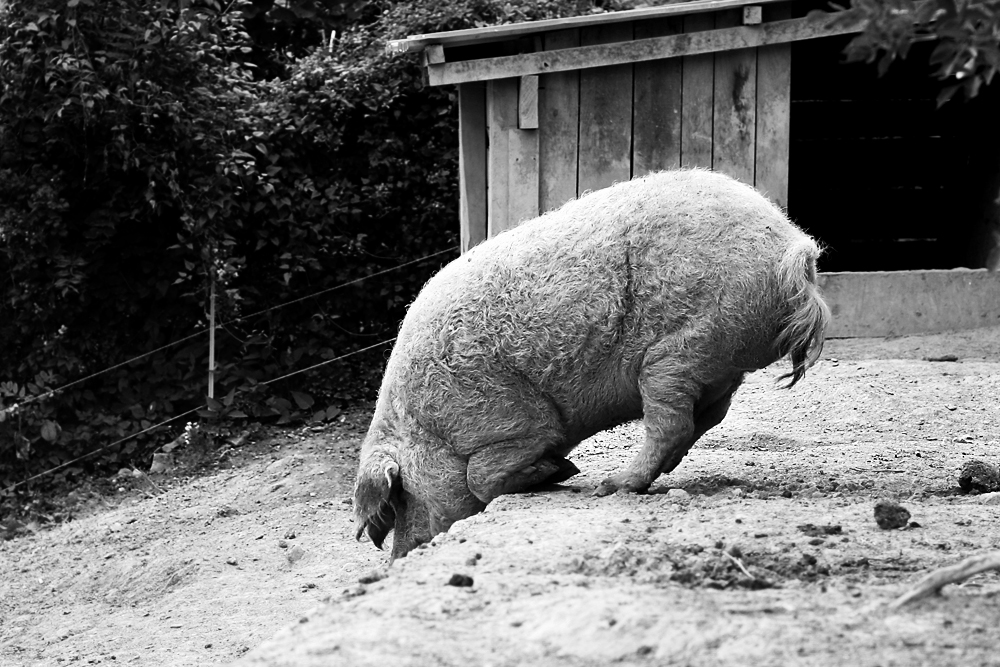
(561, 309)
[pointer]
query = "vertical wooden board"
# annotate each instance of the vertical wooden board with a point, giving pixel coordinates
(523, 176)
(774, 86)
(656, 112)
(501, 116)
(698, 89)
(527, 103)
(472, 163)
(735, 126)
(559, 128)
(605, 114)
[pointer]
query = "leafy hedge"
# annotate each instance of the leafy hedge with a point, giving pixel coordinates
(144, 155)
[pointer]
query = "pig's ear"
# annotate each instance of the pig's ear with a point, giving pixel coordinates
(377, 499)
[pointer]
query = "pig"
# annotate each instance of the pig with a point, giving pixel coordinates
(650, 299)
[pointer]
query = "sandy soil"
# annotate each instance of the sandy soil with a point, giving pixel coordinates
(760, 548)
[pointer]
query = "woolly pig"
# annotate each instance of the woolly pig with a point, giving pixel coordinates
(651, 298)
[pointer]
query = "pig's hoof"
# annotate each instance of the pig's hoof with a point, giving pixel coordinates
(604, 489)
(619, 485)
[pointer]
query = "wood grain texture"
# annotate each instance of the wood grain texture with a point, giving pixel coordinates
(472, 163)
(559, 132)
(501, 115)
(735, 126)
(671, 46)
(656, 113)
(774, 87)
(605, 115)
(698, 84)
(498, 33)
(527, 103)
(522, 176)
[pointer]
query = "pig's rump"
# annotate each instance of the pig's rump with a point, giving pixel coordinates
(650, 299)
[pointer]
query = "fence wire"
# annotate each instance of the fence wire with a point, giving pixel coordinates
(180, 416)
(10, 410)
(14, 408)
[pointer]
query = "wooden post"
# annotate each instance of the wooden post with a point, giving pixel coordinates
(656, 114)
(774, 95)
(211, 334)
(501, 118)
(735, 117)
(698, 83)
(559, 118)
(605, 114)
(472, 163)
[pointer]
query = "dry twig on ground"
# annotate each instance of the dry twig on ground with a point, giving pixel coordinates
(940, 578)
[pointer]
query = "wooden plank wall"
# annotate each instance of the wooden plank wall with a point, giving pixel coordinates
(727, 111)
(559, 114)
(605, 114)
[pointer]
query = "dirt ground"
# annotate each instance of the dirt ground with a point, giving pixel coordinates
(760, 548)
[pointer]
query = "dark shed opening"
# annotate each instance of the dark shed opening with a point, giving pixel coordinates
(883, 177)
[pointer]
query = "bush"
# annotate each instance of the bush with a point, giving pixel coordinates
(143, 161)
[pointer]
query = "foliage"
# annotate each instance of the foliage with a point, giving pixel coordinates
(283, 32)
(144, 159)
(967, 53)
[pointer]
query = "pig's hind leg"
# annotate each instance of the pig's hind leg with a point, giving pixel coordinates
(675, 415)
(710, 409)
(669, 395)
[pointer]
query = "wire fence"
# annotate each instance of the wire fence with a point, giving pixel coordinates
(12, 409)
(209, 328)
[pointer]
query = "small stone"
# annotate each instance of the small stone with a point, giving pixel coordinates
(282, 544)
(295, 554)
(230, 561)
(678, 494)
(889, 515)
(978, 477)
(290, 534)
(990, 498)
(461, 580)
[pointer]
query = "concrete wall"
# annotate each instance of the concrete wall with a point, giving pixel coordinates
(896, 303)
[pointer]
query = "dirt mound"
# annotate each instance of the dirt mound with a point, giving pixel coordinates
(730, 559)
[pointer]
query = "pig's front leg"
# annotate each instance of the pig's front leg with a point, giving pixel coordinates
(668, 415)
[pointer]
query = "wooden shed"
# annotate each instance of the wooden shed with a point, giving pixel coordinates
(551, 109)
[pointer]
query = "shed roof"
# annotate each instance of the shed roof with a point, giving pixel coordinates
(416, 43)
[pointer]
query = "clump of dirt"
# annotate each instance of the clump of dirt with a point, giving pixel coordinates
(889, 515)
(977, 476)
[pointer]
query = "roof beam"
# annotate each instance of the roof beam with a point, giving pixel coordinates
(514, 30)
(640, 50)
